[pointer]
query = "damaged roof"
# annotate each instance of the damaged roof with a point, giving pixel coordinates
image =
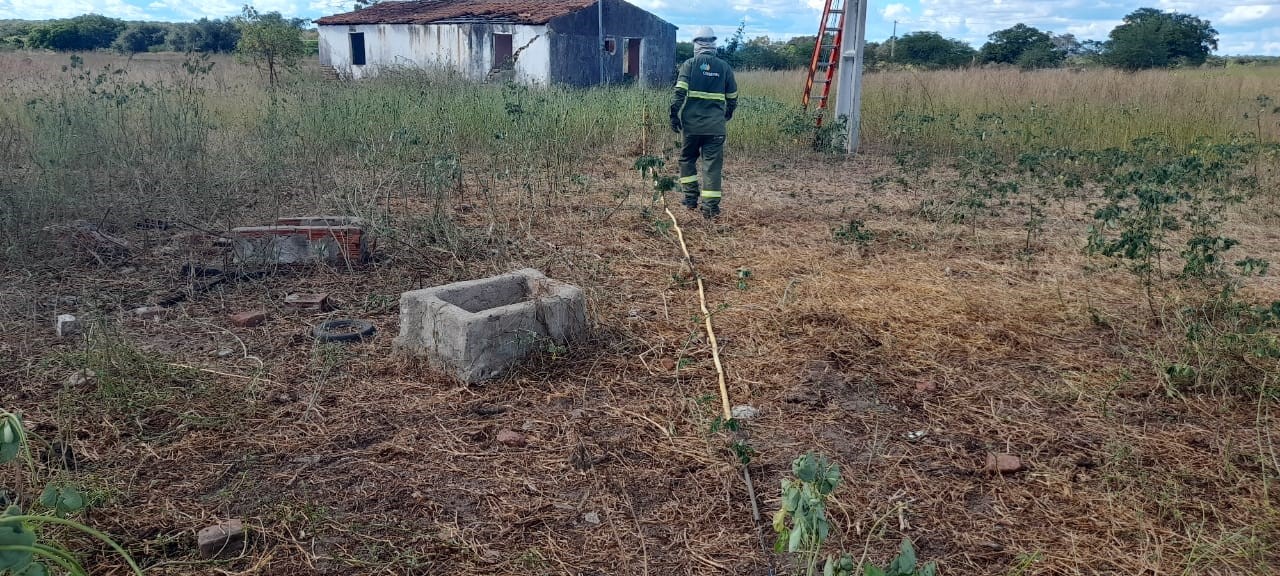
(449, 11)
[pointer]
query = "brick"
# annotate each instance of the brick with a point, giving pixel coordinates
(1003, 463)
(221, 540)
(308, 301)
(249, 319)
(511, 438)
(304, 239)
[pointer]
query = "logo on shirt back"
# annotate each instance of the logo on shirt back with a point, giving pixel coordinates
(706, 70)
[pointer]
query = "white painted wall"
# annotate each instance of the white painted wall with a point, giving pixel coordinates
(467, 48)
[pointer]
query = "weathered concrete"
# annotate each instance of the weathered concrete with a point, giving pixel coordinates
(477, 329)
(66, 325)
(221, 540)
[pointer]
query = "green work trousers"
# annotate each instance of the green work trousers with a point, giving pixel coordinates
(711, 150)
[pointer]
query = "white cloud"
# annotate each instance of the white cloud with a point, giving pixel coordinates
(1245, 14)
(894, 11)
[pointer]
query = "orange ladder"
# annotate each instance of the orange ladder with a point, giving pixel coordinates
(826, 55)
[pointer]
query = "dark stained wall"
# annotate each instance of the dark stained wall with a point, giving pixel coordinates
(575, 46)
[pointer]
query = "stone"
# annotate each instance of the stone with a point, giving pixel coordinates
(591, 518)
(220, 540)
(224, 352)
(66, 325)
(81, 377)
(478, 329)
(926, 387)
(308, 301)
(1003, 463)
(249, 319)
(744, 412)
(149, 312)
(512, 438)
(668, 365)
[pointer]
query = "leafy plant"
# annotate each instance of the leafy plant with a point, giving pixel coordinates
(855, 232)
(904, 564)
(801, 522)
(1153, 191)
(21, 551)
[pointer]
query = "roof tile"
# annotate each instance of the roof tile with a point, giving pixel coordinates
(440, 11)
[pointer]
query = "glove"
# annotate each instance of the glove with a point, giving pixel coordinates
(675, 125)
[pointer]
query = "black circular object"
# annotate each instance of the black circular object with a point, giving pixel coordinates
(343, 330)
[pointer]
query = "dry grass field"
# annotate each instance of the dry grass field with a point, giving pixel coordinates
(1003, 271)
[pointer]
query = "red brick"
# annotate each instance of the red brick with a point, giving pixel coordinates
(249, 319)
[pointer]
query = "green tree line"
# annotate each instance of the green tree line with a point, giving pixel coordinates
(1147, 38)
(96, 32)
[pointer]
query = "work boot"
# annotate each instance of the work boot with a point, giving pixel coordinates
(690, 200)
(711, 209)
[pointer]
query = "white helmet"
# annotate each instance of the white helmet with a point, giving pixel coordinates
(705, 33)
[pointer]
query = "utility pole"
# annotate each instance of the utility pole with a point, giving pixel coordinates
(600, 28)
(849, 90)
(893, 40)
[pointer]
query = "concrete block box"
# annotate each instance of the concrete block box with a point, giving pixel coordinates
(477, 329)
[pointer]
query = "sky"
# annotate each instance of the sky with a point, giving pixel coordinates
(1244, 26)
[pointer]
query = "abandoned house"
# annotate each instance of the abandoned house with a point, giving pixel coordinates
(572, 42)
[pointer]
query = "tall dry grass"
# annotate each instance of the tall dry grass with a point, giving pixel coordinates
(160, 136)
(1079, 109)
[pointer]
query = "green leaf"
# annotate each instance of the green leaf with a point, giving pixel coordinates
(49, 498)
(35, 569)
(780, 545)
(15, 534)
(805, 468)
(10, 438)
(63, 500)
(796, 538)
(930, 569)
(72, 500)
(830, 568)
(870, 570)
(905, 563)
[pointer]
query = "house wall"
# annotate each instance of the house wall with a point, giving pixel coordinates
(575, 46)
(466, 47)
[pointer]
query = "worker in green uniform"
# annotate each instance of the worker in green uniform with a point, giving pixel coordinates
(706, 96)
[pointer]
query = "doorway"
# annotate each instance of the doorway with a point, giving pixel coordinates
(631, 66)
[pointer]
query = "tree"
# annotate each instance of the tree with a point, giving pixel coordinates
(270, 41)
(205, 35)
(684, 51)
(1023, 45)
(1068, 44)
(140, 37)
(930, 50)
(1149, 38)
(88, 32)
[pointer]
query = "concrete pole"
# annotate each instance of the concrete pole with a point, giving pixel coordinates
(600, 28)
(849, 90)
(893, 41)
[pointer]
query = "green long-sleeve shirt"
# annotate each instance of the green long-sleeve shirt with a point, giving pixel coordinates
(706, 96)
